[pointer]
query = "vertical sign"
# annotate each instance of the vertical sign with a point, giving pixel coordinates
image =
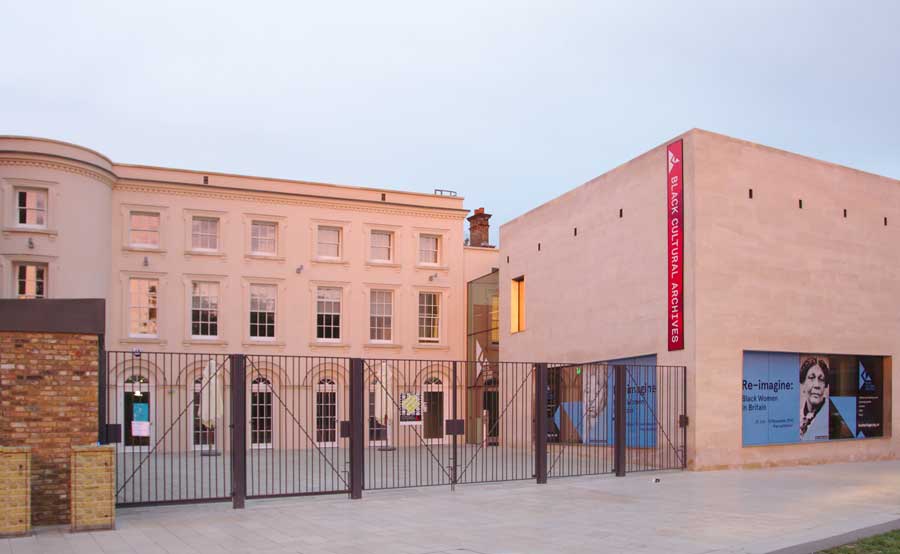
(675, 244)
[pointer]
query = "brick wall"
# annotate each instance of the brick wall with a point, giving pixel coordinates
(93, 488)
(15, 482)
(48, 401)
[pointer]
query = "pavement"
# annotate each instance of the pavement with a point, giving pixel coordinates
(796, 509)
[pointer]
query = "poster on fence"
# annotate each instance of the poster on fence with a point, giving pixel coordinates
(791, 398)
(410, 408)
(588, 415)
(140, 420)
(641, 422)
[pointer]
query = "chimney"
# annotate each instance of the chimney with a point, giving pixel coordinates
(479, 229)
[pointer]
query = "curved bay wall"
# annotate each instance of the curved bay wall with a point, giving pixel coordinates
(73, 243)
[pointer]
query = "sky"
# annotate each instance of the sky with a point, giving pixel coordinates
(508, 103)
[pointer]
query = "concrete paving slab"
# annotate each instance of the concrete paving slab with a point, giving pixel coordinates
(725, 512)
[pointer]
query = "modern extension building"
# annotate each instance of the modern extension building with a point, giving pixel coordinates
(774, 278)
(193, 262)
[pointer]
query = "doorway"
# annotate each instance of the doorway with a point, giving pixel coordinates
(491, 403)
(433, 415)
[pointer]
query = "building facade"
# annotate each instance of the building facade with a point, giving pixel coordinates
(206, 264)
(776, 285)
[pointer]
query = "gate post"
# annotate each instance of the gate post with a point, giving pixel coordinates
(102, 376)
(357, 427)
(540, 424)
(454, 469)
(620, 403)
(238, 430)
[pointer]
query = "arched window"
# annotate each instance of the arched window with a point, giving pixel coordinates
(203, 435)
(434, 380)
(136, 409)
(326, 411)
(261, 412)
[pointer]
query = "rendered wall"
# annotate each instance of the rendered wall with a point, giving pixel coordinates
(75, 245)
(600, 294)
(771, 276)
(295, 270)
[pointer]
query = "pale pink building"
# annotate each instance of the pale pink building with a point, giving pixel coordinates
(786, 297)
(205, 262)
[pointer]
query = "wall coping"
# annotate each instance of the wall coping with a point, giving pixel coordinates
(94, 448)
(76, 315)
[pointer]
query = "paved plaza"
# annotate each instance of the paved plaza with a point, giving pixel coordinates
(685, 512)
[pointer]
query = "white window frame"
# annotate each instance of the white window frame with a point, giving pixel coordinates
(319, 242)
(38, 192)
(264, 388)
(218, 309)
(268, 223)
(130, 307)
(132, 229)
(16, 280)
(390, 246)
(339, 314)
(331, 386)
(390, 316)
(216, 237)
(275, 323)
(438, 247)
(419, 327)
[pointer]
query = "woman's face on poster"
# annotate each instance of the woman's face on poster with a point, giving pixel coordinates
(815, 386)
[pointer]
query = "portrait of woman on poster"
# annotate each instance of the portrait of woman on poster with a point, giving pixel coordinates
(814, 379)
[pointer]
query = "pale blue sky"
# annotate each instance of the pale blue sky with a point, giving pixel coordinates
(508, 103)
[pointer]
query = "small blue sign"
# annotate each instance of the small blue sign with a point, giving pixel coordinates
(140, 412)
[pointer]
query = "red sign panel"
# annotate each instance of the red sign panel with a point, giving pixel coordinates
(675, 245)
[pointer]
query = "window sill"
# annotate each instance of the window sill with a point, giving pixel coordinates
(371, 263)
(270, 257)
(334, 261)
(30, 231)
(318, 344)
(142, 340)
(205, 342)
(432, 267)
(143, 249)
(250, 342)
(425, 346)
(204, 253)
(386, 345)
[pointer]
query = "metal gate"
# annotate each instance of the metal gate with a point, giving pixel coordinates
(214, 427)
(295, 405)
(585, 420)
(167, 449)
(434, 422)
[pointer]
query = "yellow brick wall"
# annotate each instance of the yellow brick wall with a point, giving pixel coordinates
(15, 491)
(92, 500)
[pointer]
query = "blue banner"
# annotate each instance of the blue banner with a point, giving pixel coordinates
(790, 398)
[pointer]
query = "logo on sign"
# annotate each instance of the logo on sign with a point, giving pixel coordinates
(673, 159)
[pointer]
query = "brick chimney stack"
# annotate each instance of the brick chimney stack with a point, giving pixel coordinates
(479, 229)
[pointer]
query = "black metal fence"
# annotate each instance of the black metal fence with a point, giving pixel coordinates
(209, 427)
(587, 421)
